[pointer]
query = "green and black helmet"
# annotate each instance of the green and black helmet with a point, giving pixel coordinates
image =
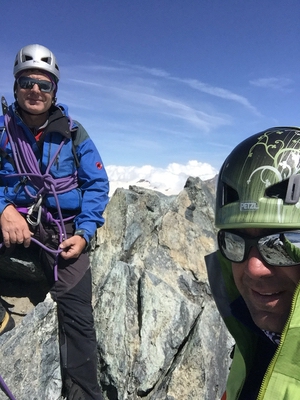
(259, 182)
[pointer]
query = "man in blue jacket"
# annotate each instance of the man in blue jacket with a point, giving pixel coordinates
(53, 193)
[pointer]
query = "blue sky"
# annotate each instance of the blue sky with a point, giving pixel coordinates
(165, 82)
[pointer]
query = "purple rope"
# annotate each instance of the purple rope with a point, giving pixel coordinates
(6, 389)
(47, 217)
(27, 164)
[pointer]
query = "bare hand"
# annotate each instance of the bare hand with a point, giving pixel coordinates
(14, 227)
(72, 247)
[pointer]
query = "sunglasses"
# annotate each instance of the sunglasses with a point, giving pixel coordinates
(25, 82)
(276, 249)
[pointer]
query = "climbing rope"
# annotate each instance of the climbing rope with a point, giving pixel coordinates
(27, 165)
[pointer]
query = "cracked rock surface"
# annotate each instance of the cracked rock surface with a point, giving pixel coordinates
(159, 334)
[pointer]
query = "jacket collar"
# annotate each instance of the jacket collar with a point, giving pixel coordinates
(57, 121)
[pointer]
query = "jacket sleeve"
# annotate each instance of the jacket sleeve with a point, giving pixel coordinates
(93, 183)
(6, 168)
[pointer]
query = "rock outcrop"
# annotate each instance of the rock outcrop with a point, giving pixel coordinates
(160, 336)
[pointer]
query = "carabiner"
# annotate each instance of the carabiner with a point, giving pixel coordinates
(36, 207)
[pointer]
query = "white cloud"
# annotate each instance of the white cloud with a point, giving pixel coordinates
(201, 86)
(218, 92)
(272, 83)
(142, 98)
(149, 87)
(170, 180)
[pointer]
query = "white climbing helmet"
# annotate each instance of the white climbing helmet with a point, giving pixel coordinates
(35, 56)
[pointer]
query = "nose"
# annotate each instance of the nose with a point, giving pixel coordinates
(35, 88)
(256, 267)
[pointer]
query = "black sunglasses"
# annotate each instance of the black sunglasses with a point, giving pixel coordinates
(277, 249)
(25, 82)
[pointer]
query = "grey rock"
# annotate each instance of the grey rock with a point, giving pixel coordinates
(30, 356)
(159, 334)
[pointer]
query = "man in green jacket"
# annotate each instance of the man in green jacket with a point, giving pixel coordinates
(255, 273)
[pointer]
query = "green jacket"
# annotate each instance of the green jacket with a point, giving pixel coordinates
(282, 378)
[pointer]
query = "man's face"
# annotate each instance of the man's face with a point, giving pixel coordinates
(33, 100)
(267, 290)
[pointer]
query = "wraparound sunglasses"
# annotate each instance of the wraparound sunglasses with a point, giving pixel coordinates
(25, 82)
(277, 249)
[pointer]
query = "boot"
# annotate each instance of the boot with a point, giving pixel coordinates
(6, 321)
(73, 391)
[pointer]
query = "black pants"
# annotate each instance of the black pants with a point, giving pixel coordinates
(77, 337)
(73, 294)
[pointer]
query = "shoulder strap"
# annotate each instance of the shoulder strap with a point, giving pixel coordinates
(77, 162)
(64, 109)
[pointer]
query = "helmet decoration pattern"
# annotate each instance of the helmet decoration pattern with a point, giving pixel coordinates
(259, 182)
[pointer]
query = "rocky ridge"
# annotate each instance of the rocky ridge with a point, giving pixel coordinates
(159, 334)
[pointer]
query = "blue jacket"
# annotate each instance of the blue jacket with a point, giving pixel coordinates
(88, 200)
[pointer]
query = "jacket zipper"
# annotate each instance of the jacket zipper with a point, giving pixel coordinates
(268, 373)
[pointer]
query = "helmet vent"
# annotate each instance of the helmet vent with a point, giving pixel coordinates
(46, 60)
(35, 56)
(277, 191)
(230, 195)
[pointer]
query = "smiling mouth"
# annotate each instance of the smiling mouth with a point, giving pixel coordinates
(34, 101)
(267, 294)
